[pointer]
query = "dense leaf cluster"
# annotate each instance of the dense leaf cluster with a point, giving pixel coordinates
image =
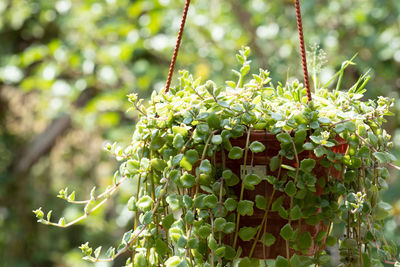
(185, 205)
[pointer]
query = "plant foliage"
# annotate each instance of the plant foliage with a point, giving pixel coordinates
(185, 206)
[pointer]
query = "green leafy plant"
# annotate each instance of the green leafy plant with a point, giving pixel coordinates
(189, 205)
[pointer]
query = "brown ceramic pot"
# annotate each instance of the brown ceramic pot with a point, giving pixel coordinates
(261, 161)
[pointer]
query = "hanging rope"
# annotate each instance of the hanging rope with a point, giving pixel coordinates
(178, 43)
(302, 49)
(301, 40)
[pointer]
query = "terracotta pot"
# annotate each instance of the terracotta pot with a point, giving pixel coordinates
(261, 161)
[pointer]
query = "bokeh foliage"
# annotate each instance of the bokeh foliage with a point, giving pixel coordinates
(66, 67)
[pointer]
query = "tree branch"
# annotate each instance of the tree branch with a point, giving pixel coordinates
(43, 143)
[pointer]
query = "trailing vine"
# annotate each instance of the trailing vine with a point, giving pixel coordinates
(191, 205)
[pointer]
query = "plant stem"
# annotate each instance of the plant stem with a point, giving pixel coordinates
(291, 197)
(374, 150)
(102, 195)
(264, 221)
(222, 181)
(124, 249)
(220, 205)
(359, 239)
(265, 217)
(339, 82)
(90, 211)
(203, 155)
(136, 213)
(242, 188)
(213, 234)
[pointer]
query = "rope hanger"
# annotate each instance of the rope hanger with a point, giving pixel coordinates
(301, 42)
(178, 43)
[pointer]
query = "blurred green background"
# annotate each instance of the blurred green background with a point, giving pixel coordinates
(66, 67)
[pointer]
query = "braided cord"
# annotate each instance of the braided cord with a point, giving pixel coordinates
(176, 50)
(302, 49)
(301, 40)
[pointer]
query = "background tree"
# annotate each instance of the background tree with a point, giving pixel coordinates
(66, 67)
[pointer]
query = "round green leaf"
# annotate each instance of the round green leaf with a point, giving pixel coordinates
(189, 217)
(382, 210)
(132, 204)
(177, 159)
(178, 141)
(230, 204)
(330, 241)
(304, 241)
(290, 188)
(350, 126)
(158, 164)
(212, 243)
(274, 163)
(187, 180)
(141, 261)
(251, 180)
(213, 121)
(268, 239)
(184, 163)
(216, 139)
(180, 130)
(211, 201)
(188, 201)
(193, 243)
(245, 207)
(174, 202)
(144, 203)
(199, 201)
(192, 156)
(230, 253)
(203, 128)
(230, 178)
(307, 165)
(286, 232)
(235, 153)
(308, 146)
(204, 231)
(284, 138)
(220, 252)
(132, 166)
(168, 220)
(156, 143)
(205, 166)
(281, 262)
(320, 236)
(219, 224)
(300, 136)
(319, 151)
(382, 157)
(295, 213)
(247, 233)
(229, 227)
(173, 261)
(161, 247)
(261, 202)
(257, 147)
(324, 120)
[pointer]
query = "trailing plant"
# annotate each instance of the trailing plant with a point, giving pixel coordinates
(187, 206)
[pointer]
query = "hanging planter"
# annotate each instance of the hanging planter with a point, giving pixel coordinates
(264, 164)
(250, 170)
